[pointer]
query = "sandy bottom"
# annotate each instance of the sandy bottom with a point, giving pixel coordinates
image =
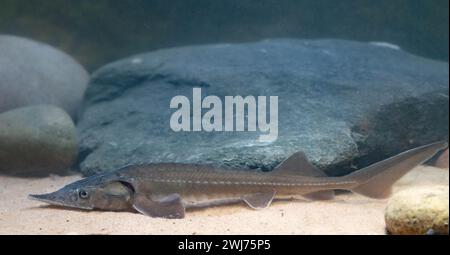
(347, 214)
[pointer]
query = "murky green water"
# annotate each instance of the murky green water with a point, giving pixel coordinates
(96, 32)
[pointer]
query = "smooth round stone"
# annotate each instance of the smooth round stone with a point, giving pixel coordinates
(36, 140)
(34, 73)
(418, 211)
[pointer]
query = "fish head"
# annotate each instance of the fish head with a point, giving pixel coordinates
(89, 194)
(72, 195)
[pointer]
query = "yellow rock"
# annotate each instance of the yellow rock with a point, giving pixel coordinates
(418, 211)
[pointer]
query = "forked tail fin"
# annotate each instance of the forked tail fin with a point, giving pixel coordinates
(376, 181)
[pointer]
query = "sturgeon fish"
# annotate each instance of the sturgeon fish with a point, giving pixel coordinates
(166, 190)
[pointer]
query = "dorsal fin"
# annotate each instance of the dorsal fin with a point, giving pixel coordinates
(298, 164)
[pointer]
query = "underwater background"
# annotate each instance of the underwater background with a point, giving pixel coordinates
(86, 88)
(97, 32)
(358, 81)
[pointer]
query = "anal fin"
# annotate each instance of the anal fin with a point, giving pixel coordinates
(169, 207)
(259, 200)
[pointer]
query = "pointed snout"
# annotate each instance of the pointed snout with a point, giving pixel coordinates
(61, 198)
(50, 198)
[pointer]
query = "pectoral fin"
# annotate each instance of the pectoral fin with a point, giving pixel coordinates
(259, 200)
(169, 207)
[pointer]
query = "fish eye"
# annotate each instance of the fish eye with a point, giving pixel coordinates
(83, 194)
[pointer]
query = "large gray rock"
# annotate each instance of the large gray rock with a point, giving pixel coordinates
(37, 140)
(346, 104)
(34, 73)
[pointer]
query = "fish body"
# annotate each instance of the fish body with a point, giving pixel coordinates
(166, 190)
